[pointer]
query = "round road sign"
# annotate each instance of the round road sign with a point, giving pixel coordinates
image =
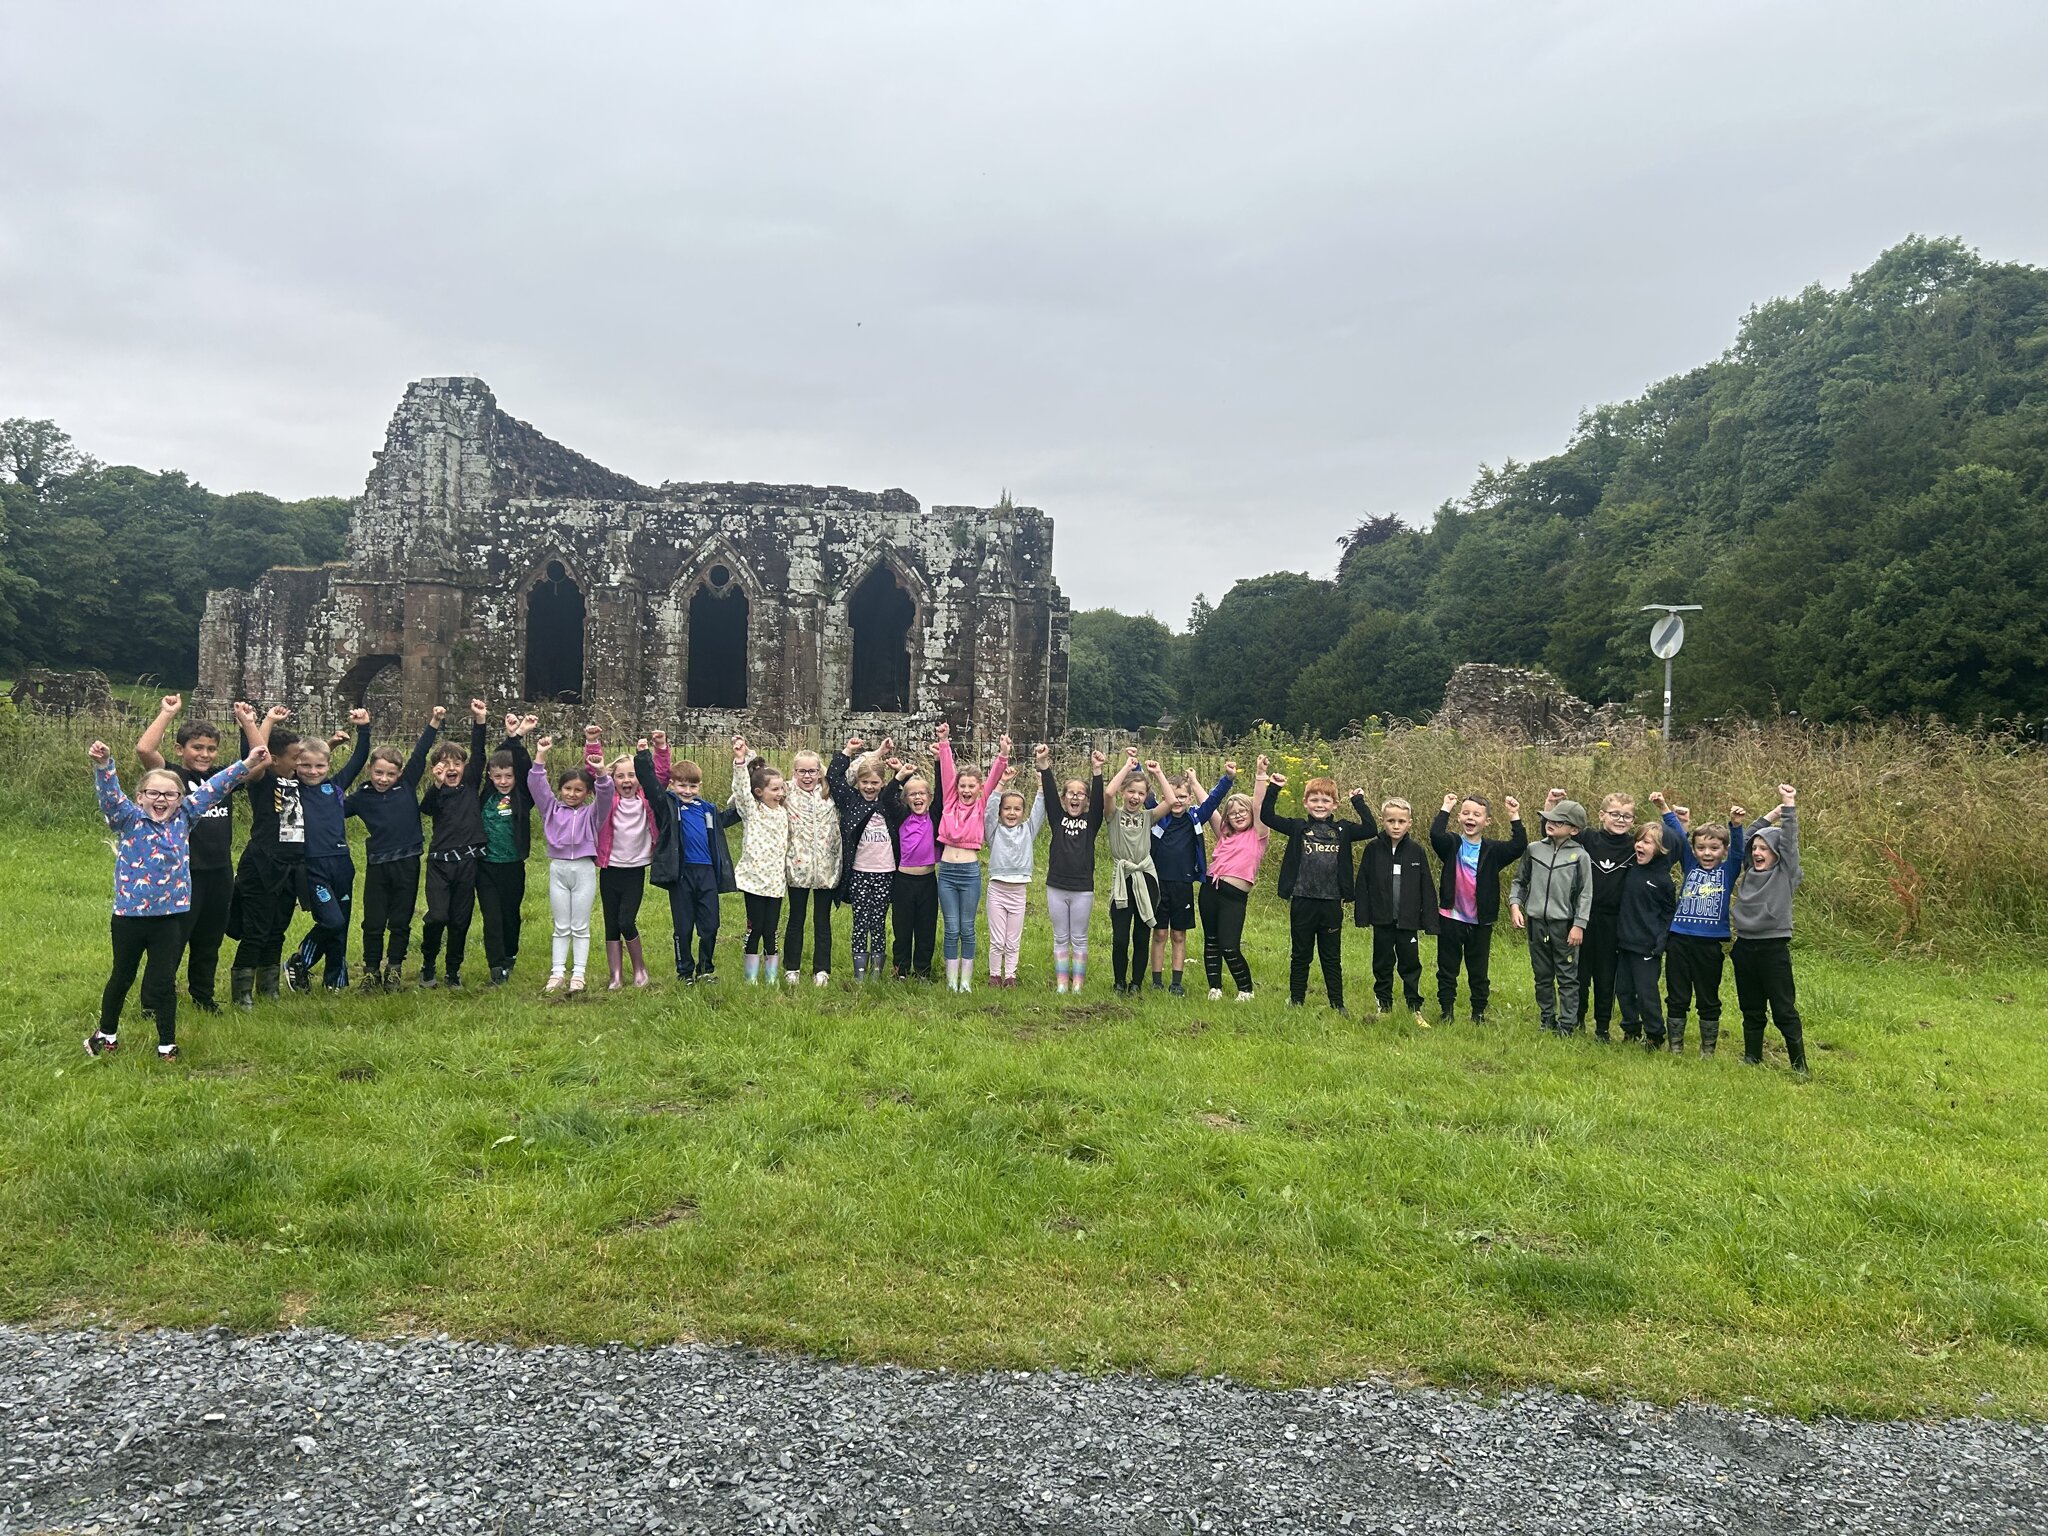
(1666, 636)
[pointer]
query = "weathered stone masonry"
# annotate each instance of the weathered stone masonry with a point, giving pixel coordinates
(482, 553)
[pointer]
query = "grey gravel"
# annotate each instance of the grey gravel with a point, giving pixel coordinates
(309, 1431)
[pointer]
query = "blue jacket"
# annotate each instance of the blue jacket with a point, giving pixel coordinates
(324, 804)
(667, 809)
(1177, 852)
(153, 859)
(1703, 898)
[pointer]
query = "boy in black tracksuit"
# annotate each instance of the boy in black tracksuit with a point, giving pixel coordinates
(506, 805)
(388, 806)
(1315, 880)
(692, 860)
(273, 865)
(1468, 895)
(1642, 926)
(330, 871)
(1397, 901)
(454, 803)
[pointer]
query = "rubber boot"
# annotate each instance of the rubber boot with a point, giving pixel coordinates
(1674, 1035)
(266, 982)
(639, 962)
(1710, 1035)
(1795, 1045)
(611, 960)
(242, 989)
(771, 968)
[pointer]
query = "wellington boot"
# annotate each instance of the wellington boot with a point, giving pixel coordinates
(266, 982)
(612, 947)
(242, 988)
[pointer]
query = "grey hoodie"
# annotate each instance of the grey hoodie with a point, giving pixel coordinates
(1554, 883)
(1761, 906)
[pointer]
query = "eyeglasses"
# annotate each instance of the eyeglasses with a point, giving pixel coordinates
(163, 794)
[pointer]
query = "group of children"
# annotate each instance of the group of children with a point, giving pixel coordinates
(904, 850)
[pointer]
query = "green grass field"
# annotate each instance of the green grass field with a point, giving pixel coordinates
(1017, 1180)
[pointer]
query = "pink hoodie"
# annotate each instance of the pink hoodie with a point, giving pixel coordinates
(960, 825)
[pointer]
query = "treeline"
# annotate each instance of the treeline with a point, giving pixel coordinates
(109, 566)
(1857, 492)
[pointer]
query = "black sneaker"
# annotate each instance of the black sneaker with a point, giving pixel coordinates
(500, 974)
(428, 980)
(206, 1005)
(454, 979)
(298, 976)
(1178, 990)
(1158, 985)
(167, 1053)
(97, 1044)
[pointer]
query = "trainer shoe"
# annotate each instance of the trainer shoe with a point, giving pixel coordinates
(454, 979)
(822, 979)
(298, 976)
(167, 1053)
(1244, 997)
(1177, 990)
(576, 983)
(556, 982)
(1215, 994)
(97, 1044)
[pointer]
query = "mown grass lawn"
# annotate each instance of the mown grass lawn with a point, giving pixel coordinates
(1016, 1180)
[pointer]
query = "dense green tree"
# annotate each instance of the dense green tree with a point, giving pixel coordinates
(1128, 663)
(1244, 662)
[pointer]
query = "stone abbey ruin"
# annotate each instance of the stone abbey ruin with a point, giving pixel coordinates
(486, 560)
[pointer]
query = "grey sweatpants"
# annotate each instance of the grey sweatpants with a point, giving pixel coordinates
(1556, 967)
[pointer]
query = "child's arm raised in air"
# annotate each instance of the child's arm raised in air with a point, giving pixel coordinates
(416, 765)
(1287, 826)
(1215, 796)
(116, 807)
(997, 765)
(1441, 837)
(1788, 830)
(1156, 803)
(149, 745)
(479, 744)
(537, 775)
(1363, 811)
(742, 796)
(1124, 770)
(1517, 838)
(943, 751)
(360, 719)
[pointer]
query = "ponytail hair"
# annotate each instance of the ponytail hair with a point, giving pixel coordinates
(758, 774)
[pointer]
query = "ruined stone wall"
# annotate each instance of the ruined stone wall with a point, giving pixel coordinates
(467, 509)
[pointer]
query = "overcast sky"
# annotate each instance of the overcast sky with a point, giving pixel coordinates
(1206, 282)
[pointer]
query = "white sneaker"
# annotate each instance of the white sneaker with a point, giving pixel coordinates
(823, 978)
(1215, 994)
(1244, 997)
(792, 977)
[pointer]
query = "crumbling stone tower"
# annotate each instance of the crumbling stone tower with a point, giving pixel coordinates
(486, 560)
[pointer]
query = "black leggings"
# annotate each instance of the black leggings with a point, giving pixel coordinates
(764, 916)
(500, 891)
(163, 940)
(820, 903)
(391, 890)
(620, 891)
(1599, 961)
(1130, 937)
(1223, 908)
(1316, 925)
(213, 891)
(914, 919)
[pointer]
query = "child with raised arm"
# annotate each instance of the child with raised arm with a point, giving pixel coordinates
(1397, 901)
(1133, 880)
(759, 799)
(1178, 859)
(691, 862)
(1642, 929)
(867, 850)
(1070, 869)
(330, 869)
(1611, 843)
(913, 815)
(1761, 912)
(1468, 895)
(960, 840)
(387, 804)
(1316, 879)
(453, 802)
(813, 866)
(1012, 834)
(213, 854)
(569, 817)
(1233, 869)
(273, 864)
(153, 884)
(625, 847)
(1552, 899)
(507, 809)
(1694, 957)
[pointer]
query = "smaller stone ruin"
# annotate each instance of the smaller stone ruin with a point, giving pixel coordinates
(1524, 705)
(64, 693)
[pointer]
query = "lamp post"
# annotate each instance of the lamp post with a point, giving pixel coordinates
(1666, 636)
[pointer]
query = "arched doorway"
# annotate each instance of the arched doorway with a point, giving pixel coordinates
(881, 614)
(718, 643)
(554, 638)
(372, 683)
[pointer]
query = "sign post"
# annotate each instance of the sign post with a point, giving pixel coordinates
(1666, 636)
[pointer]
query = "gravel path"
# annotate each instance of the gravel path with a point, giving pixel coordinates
(309, 1431)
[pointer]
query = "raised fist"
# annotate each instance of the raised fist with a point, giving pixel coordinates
(1096, 760)
(1264, 764)
(479, 711)
(1514, 807)
(1003, 745)
(278, 713)
(1450, 803)
(1279, 779)
(945, 731)
(172, 703)
(642, 745)
(659, 738)
(98, 752)
(1737, 813)
(1787, 795)
(438, 714)
(542, 746)
(359, 716)
(1041, 755)
(593, 733)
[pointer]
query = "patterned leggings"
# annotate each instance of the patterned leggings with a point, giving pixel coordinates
(870, 891)
(1070, 912)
